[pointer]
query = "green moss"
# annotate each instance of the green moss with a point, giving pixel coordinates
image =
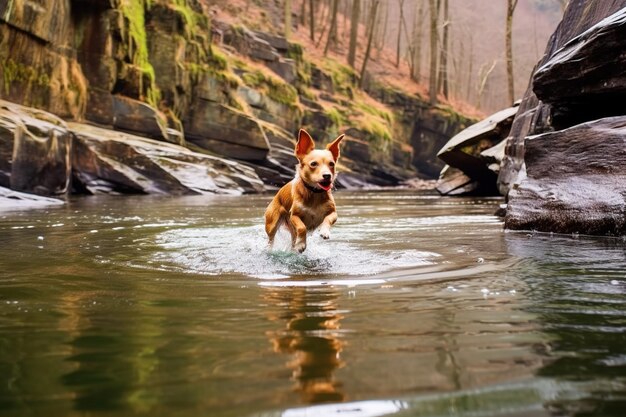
(275, 88)
(344, 77)
(295, 52)
(225, 76)
(134, 12)
(336, 116)
(218, 59)
(376, 128)
(17, 72)
(387, 116)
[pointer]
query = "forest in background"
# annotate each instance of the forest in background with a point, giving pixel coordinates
(469, 37)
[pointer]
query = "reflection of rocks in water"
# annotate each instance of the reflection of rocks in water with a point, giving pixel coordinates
(311, 336)
(577, 293)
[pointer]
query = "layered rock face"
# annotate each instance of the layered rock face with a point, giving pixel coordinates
(474, 155)
(564, 157)
(42, 154)
(161, 94)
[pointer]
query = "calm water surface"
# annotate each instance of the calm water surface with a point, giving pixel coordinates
(417, 306)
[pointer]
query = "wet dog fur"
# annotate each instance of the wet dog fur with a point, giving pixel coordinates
(306, 202)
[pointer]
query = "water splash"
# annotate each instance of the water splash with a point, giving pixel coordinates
(244, 250)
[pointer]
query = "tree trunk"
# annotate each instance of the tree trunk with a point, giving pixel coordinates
(417, 48)
(401, 3)
(382, 35)
(287, 18)
(368, 49)
(470, 70)
(332, 32)
(432, 89)
(443, 68)
(511, 4)
(484, 74)
(312, 19)
(354, 32)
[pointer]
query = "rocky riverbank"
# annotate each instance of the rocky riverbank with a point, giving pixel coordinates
(559, 156)
(155, 97)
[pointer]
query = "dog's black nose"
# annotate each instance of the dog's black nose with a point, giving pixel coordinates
(327, 177)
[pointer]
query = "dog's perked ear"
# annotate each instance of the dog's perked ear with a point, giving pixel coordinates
(333, 147)
(304, 145)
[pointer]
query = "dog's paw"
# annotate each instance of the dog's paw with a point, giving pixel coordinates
(299, 247)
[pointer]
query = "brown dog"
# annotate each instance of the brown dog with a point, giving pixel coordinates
(306, 202)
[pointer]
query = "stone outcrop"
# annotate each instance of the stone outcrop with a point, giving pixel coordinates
(565, 119)
(35, 151)
(473, 156)
(582, 27)
(576, 181)
(105, 161)
(148, 68)
(14, 200)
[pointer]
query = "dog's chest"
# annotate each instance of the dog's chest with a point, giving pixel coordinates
(312, 217)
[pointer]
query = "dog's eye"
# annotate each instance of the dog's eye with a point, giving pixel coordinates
(314, 164)
(332, 164)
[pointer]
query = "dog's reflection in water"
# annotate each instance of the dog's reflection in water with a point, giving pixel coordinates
(312, 337)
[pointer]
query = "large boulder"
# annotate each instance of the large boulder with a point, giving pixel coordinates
(136, 117)
(225, 131)
(106, 161)
(35, 149)
(468, 152)
(568, 86)
(14, 200)
(562, 168)
(576, 181)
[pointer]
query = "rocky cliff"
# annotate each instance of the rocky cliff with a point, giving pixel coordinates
(152, 96)
(563, 169)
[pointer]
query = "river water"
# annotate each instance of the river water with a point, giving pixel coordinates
(417, 306)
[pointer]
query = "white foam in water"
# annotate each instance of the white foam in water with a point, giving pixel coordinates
(243, 250)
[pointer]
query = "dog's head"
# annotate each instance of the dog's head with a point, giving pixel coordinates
(317, 166)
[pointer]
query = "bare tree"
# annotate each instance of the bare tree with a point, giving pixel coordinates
(287, 18)
(417, 42)
(368, 49)
(332, 33)
(432, 89)
(511, 4)
(354, 31)
(442, 84)
(312, 19)
(383, 35)
(483, 75)
(401, 4)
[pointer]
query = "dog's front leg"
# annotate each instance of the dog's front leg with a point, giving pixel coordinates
(298, 233)
(326, 223)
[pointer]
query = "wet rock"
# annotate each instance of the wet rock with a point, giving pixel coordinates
(14, 200)
(138, 118)
(248, 43)
(279, 43)
(321, 80)
(469, 152)
(106, 161)
(285, 69)
(225, 131)
(579, 81)
(576, 181)
(34, 151)
(579, 35)
(454, 182)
